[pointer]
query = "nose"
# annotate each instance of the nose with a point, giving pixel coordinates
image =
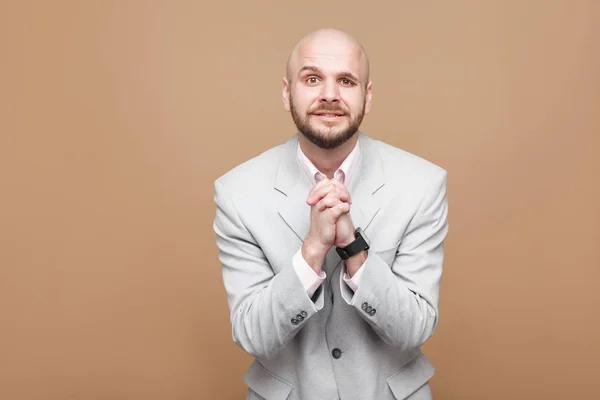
(329, 92)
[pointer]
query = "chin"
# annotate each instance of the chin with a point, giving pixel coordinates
(329, 131)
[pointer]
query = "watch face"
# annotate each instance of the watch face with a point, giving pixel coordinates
(359, 232)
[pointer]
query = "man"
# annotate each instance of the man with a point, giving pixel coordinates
(332, 244)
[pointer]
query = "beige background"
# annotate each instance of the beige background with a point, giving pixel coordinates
(116, 118)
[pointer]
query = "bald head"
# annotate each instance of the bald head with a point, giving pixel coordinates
(327, 43)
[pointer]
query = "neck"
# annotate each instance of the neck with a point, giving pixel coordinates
(327, 161)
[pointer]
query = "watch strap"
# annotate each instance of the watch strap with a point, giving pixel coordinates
(359, 244)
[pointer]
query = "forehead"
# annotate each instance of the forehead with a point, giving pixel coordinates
(331, 55)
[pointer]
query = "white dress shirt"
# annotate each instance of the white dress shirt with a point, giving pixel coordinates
(309, 278)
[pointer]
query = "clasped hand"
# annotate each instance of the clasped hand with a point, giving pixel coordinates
(330, 222)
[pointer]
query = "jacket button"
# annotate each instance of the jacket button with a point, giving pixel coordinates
(368, 309)
(304, 314)
(299, 317)
(295, 321)
(336, 353)
(372, 312)
(365, 305)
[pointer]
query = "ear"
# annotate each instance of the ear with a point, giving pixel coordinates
(285, 95)
(368, 98)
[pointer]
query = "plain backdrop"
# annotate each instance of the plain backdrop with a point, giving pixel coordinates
(116, 117)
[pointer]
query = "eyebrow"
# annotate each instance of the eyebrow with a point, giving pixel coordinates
(345, 74)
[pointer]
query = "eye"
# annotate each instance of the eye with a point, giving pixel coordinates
(312, 80)
(346, 82)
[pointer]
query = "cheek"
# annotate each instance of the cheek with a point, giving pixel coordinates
(353, 99)
(302, 106)
(356, 103)
(303, 99)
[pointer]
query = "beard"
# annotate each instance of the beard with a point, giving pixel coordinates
(326, 138)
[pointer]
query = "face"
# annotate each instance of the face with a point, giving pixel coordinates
(328, 95)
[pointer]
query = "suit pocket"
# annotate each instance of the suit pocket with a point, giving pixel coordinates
(411, 377)
(266, 384)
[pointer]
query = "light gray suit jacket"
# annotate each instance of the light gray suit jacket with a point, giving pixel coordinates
(262, 218)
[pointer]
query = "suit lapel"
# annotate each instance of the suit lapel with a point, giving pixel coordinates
(365, 187)
(294, 183)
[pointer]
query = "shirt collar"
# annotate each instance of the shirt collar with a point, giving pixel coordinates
(343, 173)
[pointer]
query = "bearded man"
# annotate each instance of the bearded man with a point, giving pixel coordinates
(331, 244)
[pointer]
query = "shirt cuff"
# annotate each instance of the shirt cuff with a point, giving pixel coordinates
(354, 281)
(308, 277)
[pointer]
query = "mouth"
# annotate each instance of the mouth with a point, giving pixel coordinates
(329, 115)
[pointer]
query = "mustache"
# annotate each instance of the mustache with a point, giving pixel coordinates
(327, 107)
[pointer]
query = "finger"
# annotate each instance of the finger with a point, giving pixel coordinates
(328, 202)
(336, 211)
(325, 186)
(316, 192)
(319, 193)
(319, 184)
(344, 194)
(324, 195)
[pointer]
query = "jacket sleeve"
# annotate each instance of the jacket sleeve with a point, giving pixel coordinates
(401, 303)
(266, 309)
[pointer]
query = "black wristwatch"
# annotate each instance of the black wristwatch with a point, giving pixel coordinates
(360, 243)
